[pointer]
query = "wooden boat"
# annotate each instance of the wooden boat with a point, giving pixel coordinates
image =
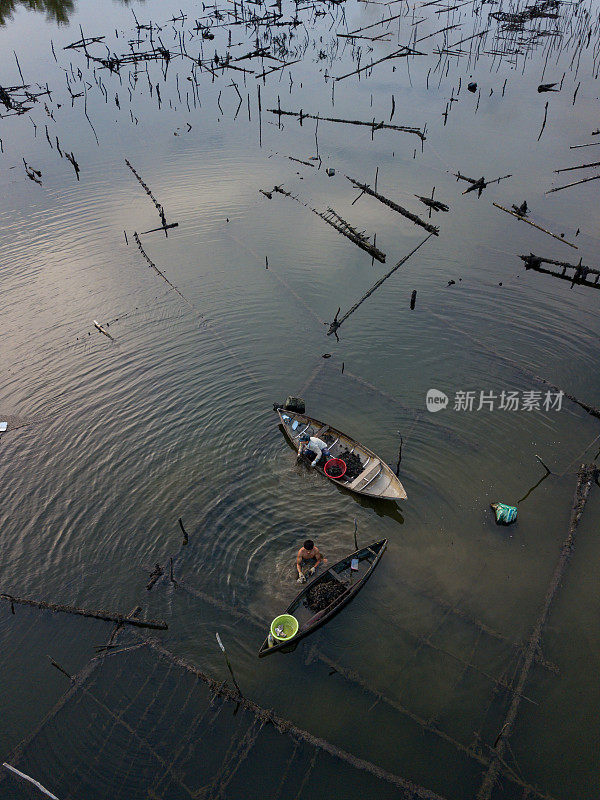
(376, 480)
(368, 558)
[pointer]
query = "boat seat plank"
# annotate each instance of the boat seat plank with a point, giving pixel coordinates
(322, 431)
(366, 475)
(334, 575)
(377, 474)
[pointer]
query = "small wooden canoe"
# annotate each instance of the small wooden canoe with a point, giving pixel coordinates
(353, 581)
(376, 480)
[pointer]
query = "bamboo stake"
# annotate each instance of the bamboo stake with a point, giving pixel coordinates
(108, 616)
(535, 225)
(229, 667)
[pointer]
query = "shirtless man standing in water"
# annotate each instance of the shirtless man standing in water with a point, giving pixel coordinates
(309, 553)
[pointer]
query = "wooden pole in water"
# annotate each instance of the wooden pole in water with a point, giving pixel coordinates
(547, 468)
(109, 616)
(222, 646)
(399, 458)
(355, 539)
(185, 536)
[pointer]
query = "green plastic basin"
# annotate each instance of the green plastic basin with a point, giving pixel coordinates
(289, 625)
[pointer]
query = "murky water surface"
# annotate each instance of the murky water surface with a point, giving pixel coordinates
(110, 442)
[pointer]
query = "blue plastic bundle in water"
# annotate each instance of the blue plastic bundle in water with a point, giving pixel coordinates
(504, 514)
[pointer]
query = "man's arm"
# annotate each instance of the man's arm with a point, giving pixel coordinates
(299, 562)
(320, 560)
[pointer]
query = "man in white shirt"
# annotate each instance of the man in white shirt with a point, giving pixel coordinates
(317, 446)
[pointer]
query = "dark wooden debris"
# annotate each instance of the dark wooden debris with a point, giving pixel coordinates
(395, 206)
(332, 218)
(376, 126)
(574, 273)
(520, 215)
(333, 327)
(479, 184)
(108, 616)
(154, 576)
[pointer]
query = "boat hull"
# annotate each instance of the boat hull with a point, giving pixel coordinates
(372, 552)
(377, 481)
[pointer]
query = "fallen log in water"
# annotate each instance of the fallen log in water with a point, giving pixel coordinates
(108, 616)
(336, 323)
(406, 51)
(332, 218)
(390, 203)
(575, 183)
(478, 185)
(579, 275)
(376, 126)
(539, 227)
(146, 188)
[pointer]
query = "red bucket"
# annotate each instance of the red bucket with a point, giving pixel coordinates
(335, 468)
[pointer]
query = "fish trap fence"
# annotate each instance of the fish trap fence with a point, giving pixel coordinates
(142, 723)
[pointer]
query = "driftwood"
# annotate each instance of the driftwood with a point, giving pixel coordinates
(183, 530)
(544, 122)
(579, 166)
(406, 51)
(478, 185)
(535, 225)
(587, 473)
(390, 203)
(154, 576)
(576, 183)
(332, 218)
(579, 275)
(376, 126)
(350, 35)
(159, 208)
(434, 205)
(102, 330)
(337, 323)
(108, 616)
(162, 228)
